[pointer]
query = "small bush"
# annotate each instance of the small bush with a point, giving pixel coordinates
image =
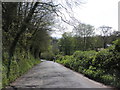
(84, 58)
(59, 57)
(101, 59)
(66, 60)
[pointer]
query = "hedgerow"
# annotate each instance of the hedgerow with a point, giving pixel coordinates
(102, 66)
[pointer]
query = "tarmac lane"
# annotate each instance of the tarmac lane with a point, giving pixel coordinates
(49, 74)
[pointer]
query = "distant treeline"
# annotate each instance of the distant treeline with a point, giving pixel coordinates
(69, 43)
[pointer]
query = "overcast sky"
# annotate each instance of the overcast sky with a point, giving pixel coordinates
(97, 13)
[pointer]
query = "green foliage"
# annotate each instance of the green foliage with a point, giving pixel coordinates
(102, 58)
(48, 55)
(102, 66)
(59, 57)
(66, 44)
(109, 79)
(84, 58)
(83, 32)
(66, 60)
(117, 45)
(83, 40)
(25, 33)
(19, 66)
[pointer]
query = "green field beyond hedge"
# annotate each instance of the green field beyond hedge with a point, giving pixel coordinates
(102, 66)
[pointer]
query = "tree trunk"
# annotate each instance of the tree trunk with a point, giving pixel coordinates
(39, 54)
(22, 29)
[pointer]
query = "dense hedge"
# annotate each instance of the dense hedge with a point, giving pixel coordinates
(19, 65)
(102, 66)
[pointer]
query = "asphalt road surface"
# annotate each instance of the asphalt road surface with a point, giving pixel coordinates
(49, 74)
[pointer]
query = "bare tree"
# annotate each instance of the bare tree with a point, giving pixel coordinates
(105, 31)
(84, 31)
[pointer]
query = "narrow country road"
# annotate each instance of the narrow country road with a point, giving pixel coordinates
(49, 74)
